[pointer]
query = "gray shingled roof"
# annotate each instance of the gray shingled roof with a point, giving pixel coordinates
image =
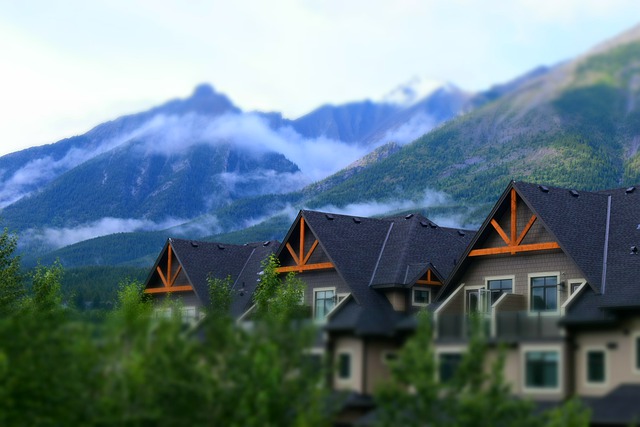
(201, 260)
(618, 407)
(380, 251)
(621, 287)
(596, 230)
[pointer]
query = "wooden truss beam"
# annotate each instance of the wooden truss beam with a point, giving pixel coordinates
(514, 241)
(301, 259)
(168, 279)
(430, 280)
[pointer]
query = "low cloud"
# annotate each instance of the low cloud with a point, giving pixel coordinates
(317, 158)
(414, 128)
(263, 182)
(59, 237)
(39, 171)
(431, 198)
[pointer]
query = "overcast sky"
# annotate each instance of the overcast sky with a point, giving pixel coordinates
(68, 65)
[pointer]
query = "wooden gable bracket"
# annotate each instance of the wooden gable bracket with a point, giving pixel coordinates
(168, 280)
(514, 241)
(301, 259)
(430, 279)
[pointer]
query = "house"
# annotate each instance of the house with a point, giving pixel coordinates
(365, 278)
(554, 273)
(183, 268)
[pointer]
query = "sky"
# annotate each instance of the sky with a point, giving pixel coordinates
(68, 65)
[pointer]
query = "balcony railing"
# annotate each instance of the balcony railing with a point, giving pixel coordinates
(508, 325)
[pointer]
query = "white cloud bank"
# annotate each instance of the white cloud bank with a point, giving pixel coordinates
(64, 236)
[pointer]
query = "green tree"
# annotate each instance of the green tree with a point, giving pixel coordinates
(266, 375)
(48, 359)
(477, 391)
(12, 288)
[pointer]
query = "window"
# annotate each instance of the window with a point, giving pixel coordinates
(389, 356)
(421, 296)
(595, 366)
(344, 366)
(573, 286)
(544, 293)
(188, 314)
(498, 287)
(448, 365)
(542, 369)
(478, 300)
(324, 301)
(637, 348)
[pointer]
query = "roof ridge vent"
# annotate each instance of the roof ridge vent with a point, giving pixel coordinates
(461, 233)
(543, 188)
(409, 216)
(220, 246)
(266, 243)
(356, 220)
(330, 217)
(574, 193)
(424, 223)
(630, 190)
(194, 243)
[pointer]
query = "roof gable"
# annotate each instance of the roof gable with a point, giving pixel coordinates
(196, 261)
(530, 217)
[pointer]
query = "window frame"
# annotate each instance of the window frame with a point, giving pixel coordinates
(605, 366)
(448, 352)
(573, 285)
(339, 366)
(474, 288)
(530, 287)
(559, 369)
(313, 307)
(413, 296)
(497, 278)
(635, 359)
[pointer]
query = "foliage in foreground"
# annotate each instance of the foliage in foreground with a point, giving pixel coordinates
(415, 397)
(133, 368)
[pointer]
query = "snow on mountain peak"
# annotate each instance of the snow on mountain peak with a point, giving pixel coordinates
(412, 91)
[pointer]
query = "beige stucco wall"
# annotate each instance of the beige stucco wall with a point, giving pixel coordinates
(353, 346)
(397, 298)
(620, 354)
(514, 368)
(377, 369)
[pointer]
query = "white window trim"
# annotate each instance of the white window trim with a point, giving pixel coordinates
(313, 303)
(585, 371)
(572, 295)
(342, 300)
(420, 288)
(558, 286)
(348, 380)
(634, 352)
(489, 278)
(470, 288)
(523, 363)
(572, 282)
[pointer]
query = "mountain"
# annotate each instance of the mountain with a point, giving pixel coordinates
(573, 125)
(187, 159)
